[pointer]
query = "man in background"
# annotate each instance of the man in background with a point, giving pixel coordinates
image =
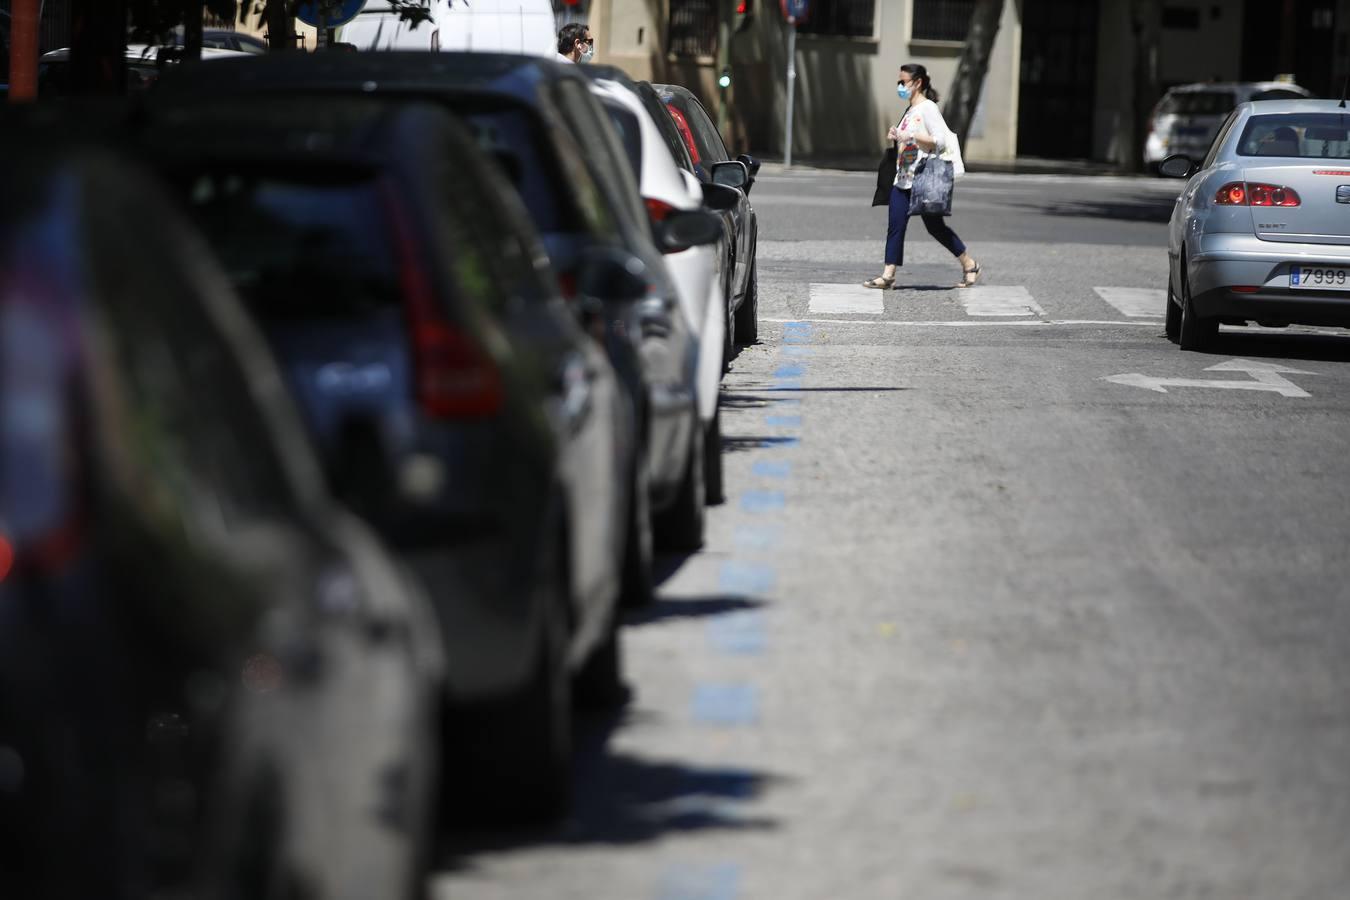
(575, 44)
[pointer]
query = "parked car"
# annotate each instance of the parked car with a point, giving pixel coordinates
(378, 26)
(710, 160)
(701, 273)
(1188, 116)
(144, 66)
(483, 26)
(455, 398)
(213, 680)
(539, 121)
(1260, 231)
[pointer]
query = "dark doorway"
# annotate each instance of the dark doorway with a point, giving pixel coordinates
(1058, 79)
(1293, 37)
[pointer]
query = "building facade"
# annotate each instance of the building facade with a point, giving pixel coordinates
(1067, 79)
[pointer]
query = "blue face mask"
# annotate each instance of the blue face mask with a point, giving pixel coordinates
(904, 91)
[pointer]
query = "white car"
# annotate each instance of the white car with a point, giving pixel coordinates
(483, 26)
(697, 271)
(1189, 115)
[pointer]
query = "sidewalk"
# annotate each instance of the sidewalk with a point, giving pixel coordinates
(1025, 165)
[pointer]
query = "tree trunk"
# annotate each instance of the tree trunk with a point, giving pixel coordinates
(1145, 22)
(280, 26)
(98, 43)
(974, 65)
(192, 33)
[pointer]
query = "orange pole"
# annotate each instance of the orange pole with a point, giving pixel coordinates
(23, 51)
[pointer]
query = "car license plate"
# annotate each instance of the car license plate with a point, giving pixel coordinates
(1320, 278)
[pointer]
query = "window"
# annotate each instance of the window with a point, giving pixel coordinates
(1304, 135)
(847, 18)
(942, 20)
(692, 28)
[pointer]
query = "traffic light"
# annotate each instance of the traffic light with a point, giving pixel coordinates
(745, 10)
(724, 80)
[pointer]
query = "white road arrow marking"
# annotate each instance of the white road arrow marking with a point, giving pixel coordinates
(1264, 377)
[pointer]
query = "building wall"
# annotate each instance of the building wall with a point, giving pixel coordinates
(845, 86)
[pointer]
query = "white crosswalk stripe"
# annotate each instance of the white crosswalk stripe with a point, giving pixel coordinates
(846, 298)
(1135, 301)
(999, 300)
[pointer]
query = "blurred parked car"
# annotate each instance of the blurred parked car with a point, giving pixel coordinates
(213, 681)
(483, 26)
(712, 163)
(1188, 116)
(539, 121)
(1261, 230)
(701, 273)
(456, 400)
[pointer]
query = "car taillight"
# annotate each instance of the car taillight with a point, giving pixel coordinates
(1242, 193)
(567, 285)
(454, 376)
(657, 210)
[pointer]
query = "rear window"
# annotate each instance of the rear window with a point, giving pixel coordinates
(706, 138)
(626, 124)
(515, 139)
(1197, 103)
(299, 247)
(1298, 135)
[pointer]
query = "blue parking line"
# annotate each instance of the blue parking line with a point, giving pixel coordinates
(783, 421)
(725, 705)
(739, 633)
(797, 351)
(792, 370)
(771, 468)
(787, 384)
(746, 578)
(762, 501)
(720, 881)
(758, 537)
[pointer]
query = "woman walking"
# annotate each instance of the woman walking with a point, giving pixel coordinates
(922, 133)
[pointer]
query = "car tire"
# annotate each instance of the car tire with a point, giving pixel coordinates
(1172, 324)
(680, 527)
(728, 324)
(517, 765)
(1195, 333)
(638, 585)
(599, 684)
(712, 460)
(747, 314)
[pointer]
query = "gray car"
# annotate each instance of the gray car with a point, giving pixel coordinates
(1261, 231)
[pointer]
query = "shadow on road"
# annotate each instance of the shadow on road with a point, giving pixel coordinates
(1268, 345)
(1149, 210)
(668, 608)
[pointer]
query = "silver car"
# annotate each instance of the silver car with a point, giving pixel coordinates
(1261, 231)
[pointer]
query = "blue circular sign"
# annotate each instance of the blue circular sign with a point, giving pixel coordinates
(338, 14)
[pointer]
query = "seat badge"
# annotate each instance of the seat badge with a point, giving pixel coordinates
(1343, 193)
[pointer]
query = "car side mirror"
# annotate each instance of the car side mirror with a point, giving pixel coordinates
(612, 275)
(734, 174)
(685, 228)
(720, 198)
(1177, 166)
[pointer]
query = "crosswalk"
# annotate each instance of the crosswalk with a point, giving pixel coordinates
(997, 302)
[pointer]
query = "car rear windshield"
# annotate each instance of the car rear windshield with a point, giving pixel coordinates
(626, 124)
(515, 138)
(706, 138)
(299, 246)
(1197, 103)
(1299, 135)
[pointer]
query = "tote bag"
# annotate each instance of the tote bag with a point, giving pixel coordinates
(886, 175)
(932, 191)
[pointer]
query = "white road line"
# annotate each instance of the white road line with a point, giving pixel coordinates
(846, 298)
(999, 300)
(1135, 301)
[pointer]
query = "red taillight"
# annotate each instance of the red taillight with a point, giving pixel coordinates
(657, 210)
(454, 377)
(1245, 288)
(6, 557)
(1339, 173)
(1241, 193)
(567, 285)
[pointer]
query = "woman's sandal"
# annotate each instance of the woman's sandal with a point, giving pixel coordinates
(881, 283)
(970, 276)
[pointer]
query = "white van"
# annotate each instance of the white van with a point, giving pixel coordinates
(483, 26)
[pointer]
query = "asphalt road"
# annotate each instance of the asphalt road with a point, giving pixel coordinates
(977, 621)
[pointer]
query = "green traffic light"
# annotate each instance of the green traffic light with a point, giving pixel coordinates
(724, 80)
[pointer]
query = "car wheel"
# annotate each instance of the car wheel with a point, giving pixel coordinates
(747, 314)
(518, 751)
(638, 588)
(1172, 324)
(599, 684)
(712, 460)
(681, 526)
(1196, 333)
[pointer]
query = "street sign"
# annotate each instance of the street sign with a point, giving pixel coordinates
(338, 14)
(796, 10)
(1264, 377)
